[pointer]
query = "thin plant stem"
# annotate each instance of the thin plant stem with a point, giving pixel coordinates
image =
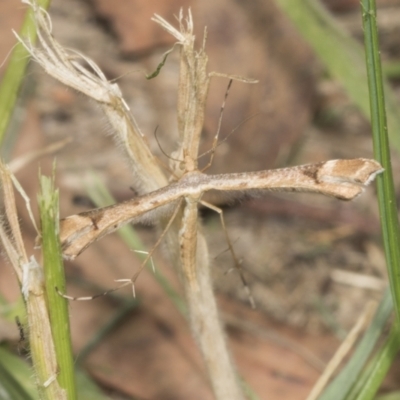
(55, 278)
(385, 186)
(15, 73)
(369, 382)
(341, 385)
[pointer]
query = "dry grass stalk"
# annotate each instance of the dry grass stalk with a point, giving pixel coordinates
(343, 350)
(30, 277)
(65, 66)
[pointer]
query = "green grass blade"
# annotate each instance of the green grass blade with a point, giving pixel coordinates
(366, 386)
(16, 379)
(9, 388)
(17, 382)
(54, 278)
(15, 72)
(88, 390)
(347, 377)
(342, 56)
(390, 396)
(391, 69)
(371, 380)
(386, 192)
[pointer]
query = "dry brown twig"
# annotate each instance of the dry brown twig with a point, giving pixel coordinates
(348, 343)
(344, 179)
(31, 279)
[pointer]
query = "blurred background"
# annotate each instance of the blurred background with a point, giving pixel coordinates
(312, 263)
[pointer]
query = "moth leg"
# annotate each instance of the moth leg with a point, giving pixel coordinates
(87, 298)
(163, 233)
(130, 281)
(215, 140)
(237, 263)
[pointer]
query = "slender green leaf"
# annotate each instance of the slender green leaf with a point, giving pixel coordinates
(88, 390)
(386, 192)
(55, 279)
(342, 384)
(368, 384)
(371, 380)
(16, 379)
(350, 375)
(159, 66)
(16, 69)
(390, 396)
(391, 69)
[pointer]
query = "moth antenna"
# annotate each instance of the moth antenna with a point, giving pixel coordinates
(215, 140)
(88, 298)
(165, 166)
(119, 77)
(160, 147)
(229, 134)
